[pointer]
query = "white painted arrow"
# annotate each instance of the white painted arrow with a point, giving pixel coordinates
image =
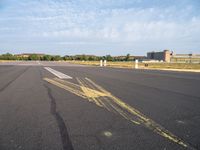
(58, 74)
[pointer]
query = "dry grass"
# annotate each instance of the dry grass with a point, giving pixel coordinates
(174, 66)
(131, 64)
(109, 64)
(6, 60)
(93, 63)
(142, 65)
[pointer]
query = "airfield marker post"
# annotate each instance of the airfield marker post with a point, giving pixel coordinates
(136, 64)
(105, 63)
(101, 63)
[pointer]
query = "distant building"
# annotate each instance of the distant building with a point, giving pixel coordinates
(168, 56)
(161, 56)
(26, 55)
(140, 58)
(185, 58)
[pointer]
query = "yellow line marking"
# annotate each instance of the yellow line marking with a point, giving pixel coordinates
(102, 98)
(100, 101)
(124, 114)
(90, 92)
(103, 103)
(68, 88)
(146, 121)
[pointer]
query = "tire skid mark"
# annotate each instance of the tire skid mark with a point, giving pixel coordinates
(66, 142)
(94, 93)
(13, 80)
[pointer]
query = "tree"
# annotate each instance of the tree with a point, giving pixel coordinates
(33, 57)
(46, 57)
(91, 58)
(56, 58)
(109, 58)
(83, 57)
(127, 57)
(7, 56)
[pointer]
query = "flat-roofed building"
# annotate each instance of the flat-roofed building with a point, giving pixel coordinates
(168, 56)
(185, 58)
(161, 56)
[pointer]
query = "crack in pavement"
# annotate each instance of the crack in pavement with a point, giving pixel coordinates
(67, 144)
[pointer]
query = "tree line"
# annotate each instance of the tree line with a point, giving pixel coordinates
(83, 57)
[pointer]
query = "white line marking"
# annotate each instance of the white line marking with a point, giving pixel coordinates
(58, 74)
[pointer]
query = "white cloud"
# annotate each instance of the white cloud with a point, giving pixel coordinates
(98, 22)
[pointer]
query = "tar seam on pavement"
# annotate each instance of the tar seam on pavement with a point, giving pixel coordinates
(67, 144)
(10, 82)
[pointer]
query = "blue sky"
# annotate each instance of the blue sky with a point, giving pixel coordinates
(100, 27)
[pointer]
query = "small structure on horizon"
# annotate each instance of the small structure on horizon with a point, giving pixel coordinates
(161, 56)
(26, 55)
(168, 56)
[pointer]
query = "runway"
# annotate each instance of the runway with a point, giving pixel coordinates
(63, 106)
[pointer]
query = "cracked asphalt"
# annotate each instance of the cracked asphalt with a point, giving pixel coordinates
(37, 115)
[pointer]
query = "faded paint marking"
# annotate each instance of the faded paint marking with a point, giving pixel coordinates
(58, 74)
(94, 93)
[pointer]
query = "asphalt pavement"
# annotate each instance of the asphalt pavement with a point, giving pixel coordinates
(63, 106)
